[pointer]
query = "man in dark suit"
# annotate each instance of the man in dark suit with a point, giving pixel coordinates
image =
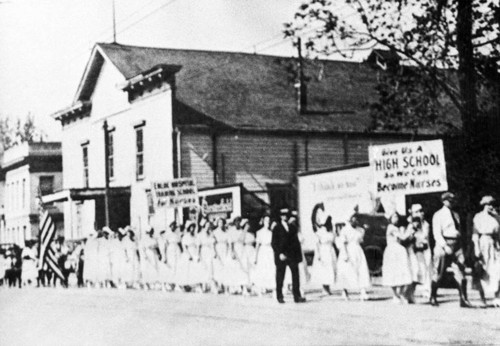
(287, 252)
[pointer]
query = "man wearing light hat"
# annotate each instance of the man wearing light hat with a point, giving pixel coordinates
(287, 252)
(448, 251)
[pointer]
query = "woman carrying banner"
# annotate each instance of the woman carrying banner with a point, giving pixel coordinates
(352, 268)
(325, 258)
(221, 254)
(396, 267)
(264, 276)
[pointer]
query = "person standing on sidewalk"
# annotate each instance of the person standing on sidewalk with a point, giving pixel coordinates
(448, 252)
(287, 252)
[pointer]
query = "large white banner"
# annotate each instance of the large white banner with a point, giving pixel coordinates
(340, 192)
(408, 168)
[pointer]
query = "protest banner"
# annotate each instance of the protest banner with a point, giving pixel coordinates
(177, 193)
(224, 202)
(408, 168)
(340, 190)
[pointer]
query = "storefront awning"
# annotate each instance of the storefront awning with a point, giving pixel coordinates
(85, 194)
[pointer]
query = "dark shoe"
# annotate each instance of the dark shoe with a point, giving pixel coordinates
(281, 301)
(433, 301)
(465, 304)
(300, 300)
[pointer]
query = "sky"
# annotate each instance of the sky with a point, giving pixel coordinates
(45, 44)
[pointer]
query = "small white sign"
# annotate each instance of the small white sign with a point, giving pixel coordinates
(408, 168)
(175, 193)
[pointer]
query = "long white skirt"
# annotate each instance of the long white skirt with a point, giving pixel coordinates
(323, 271)
(396, 266)
(189, 272)
(264, 275)
(352, 274)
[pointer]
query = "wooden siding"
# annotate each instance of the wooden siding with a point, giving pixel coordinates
(325, 152)
(196, 158)
(256, 159)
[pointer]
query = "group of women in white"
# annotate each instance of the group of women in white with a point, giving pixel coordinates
(204, 257)
(349, 271)
(407, 258)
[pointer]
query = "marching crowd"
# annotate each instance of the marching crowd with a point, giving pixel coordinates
(234, 258)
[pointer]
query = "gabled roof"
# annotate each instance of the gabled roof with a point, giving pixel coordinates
(257, 91)
(248, 91)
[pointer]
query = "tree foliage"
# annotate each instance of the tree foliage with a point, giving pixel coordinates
(450, 51)
(16, 131)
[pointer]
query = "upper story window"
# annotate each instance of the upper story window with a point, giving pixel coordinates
(111, 155)
(139, 152)
(23, 192)
(85, 156)
(46, 185)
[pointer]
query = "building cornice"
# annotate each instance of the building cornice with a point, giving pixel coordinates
(78, 110)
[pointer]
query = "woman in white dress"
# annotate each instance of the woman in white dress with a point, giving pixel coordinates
(29, 272)
(352, 268)
(189, 265)
(173, 253)
(221, 255)
(248, 256)
(104, 258)
(486, 241)
(90, 263)
(131, 268)
(396, 267)
(325, 258)
(422, 261)
(207, 255)
(264, 278)
(237, 277)
(149, 260)
(117, 256)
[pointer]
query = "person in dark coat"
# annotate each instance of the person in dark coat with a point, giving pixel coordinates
(287, 252)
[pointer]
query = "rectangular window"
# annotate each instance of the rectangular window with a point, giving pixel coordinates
(23, 192)
(139, 152)
(85, 155)
(46, 185)
(111, 161)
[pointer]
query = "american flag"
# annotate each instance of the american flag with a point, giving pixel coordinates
(47, 233)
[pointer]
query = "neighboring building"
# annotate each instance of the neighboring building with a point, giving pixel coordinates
(26, 171)
(220, 117)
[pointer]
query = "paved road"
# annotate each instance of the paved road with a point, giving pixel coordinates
(114, 317)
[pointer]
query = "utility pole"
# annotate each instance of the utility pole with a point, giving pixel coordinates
(300, 85)
(106, 173)
(114, 21)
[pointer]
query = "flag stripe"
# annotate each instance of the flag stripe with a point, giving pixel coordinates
(53, 265)
(48, 232)
(47, 255)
